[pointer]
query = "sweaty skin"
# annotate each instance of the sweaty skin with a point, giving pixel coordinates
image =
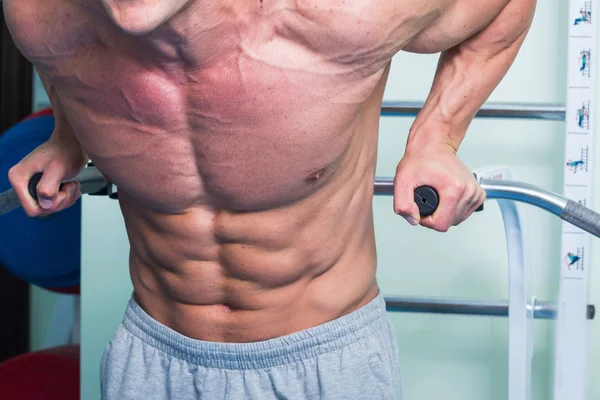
(243, 139)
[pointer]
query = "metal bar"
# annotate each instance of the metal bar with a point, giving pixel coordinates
(500, 189)
(541, 309)
(552, 112)
(524, 193)
(568, 210)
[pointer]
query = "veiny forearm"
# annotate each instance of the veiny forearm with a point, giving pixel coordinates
(468, 73)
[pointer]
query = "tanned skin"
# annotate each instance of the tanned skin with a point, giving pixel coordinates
(242, 136)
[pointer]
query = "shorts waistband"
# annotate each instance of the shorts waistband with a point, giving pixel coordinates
(308, 343)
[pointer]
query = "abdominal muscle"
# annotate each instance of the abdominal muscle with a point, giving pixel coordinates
(225, 276)
(218, 274)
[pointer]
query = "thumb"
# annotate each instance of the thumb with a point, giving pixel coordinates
(49, 185)
(404, 202)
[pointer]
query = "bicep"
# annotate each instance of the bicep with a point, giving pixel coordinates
(476, 24)
(505, 31)
(12, 18)
(20, 16)
(18, 20)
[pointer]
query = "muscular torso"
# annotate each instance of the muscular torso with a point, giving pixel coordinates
(243, 142)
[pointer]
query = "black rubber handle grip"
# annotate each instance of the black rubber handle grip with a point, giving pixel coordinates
(32, 186)
(427, 199)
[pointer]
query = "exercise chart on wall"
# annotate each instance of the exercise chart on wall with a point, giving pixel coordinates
(571, 355)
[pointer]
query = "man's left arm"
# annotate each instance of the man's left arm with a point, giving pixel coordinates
(466, 76)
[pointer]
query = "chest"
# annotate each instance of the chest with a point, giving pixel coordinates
(249, 65)
(254, 124)
(245, 133)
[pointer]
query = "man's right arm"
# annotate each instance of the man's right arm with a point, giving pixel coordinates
(60, 158)
(63, 132)
(21, 20)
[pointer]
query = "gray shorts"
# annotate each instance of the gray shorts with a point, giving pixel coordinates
(352, 357)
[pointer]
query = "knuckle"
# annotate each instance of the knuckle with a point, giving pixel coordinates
(471, 189)
(472, 198)
(402, 214)
(453, 195)
(456, 189)
(401, 209)
(459, 185)
(13, 174)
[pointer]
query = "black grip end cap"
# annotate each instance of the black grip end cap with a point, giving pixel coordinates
(427, 200)
(33, 182)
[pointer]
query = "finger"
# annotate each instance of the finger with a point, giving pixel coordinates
(463, 217)
(66, 197)
(70, 201)
(441, 221)
(481, 197)
(19, 179)
(465, 206)
(408, 210)
(59, 200)
(404, 201)
(473, 202)
(444, 216)
(48, 188)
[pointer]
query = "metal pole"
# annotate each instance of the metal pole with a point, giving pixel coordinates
(552, 112)
(499, 189)
(541, 309)
(568, 210)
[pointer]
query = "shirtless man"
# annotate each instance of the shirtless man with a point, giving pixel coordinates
(242, 136)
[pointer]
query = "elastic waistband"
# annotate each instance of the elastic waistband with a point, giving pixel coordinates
(309, 343)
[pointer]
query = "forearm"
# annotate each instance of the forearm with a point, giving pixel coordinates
(468, 73)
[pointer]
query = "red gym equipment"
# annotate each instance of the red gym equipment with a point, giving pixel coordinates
(43, 375)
